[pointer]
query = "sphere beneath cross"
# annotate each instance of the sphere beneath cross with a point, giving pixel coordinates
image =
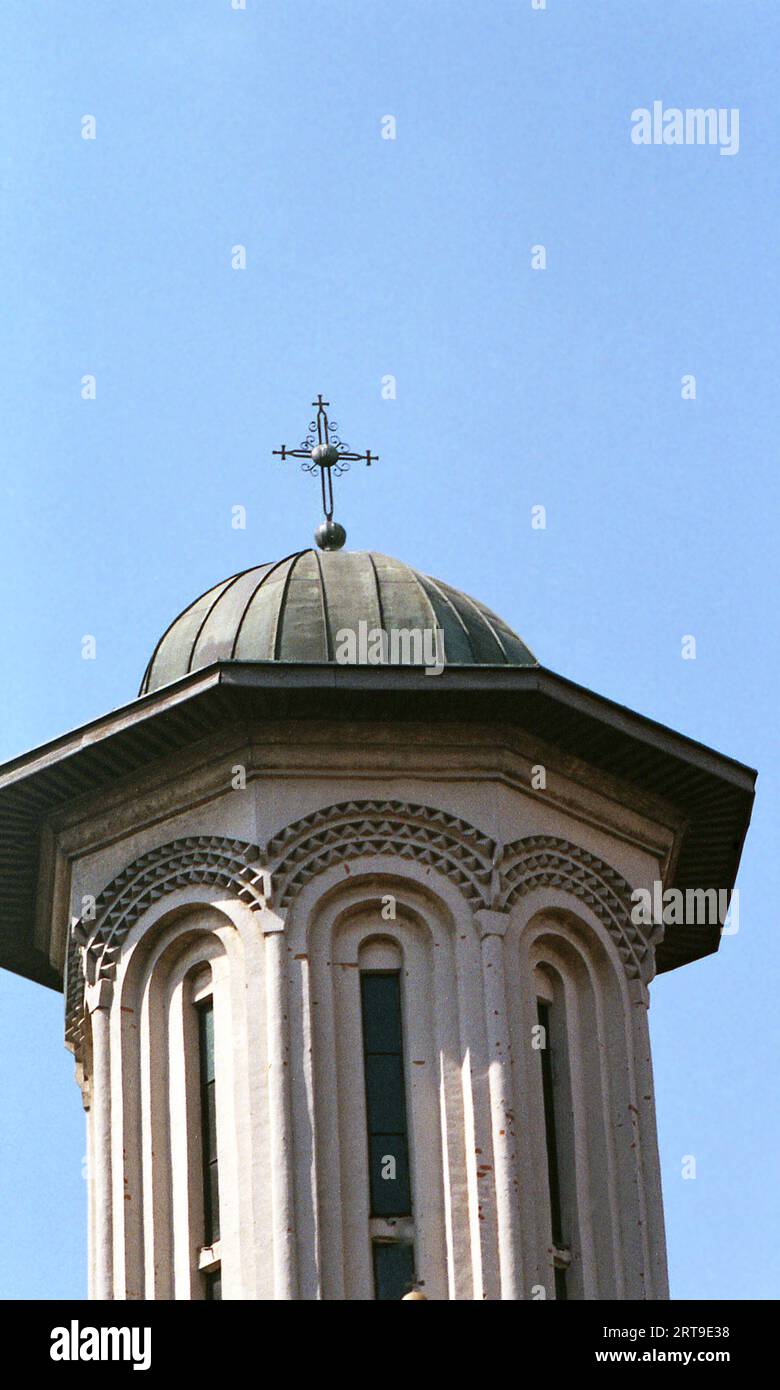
(325, 455)
(330, 535)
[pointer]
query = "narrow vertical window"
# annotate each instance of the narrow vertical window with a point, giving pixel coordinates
(208, 1124)
(388, 1145)
(388, 1154)
(553, 1162)
(393, 1269)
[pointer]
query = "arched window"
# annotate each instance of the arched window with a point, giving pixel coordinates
(557, 1107)
(195, 1047)
(594, 1229)
(184, 1227)
(370, 1060)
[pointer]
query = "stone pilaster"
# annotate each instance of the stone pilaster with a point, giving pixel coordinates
(98, 1001)
(491, 926)
(280, 1107)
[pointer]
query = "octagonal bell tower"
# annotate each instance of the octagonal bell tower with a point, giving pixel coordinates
(343, 906)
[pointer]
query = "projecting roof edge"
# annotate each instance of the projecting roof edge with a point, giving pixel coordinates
(297, 675)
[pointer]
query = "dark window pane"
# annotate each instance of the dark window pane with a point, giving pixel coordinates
(214, 1284)
(208, 1123)
(389, 1196)
(381, 1012)
(548, 1093)
(211, 1203)
(206, 1013)
(393, 1269)
(209, 1102)
(385, 1094)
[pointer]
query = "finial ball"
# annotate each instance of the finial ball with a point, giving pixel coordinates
(325, 455)
(330, 535)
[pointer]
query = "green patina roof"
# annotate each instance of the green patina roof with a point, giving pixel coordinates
(293, 609)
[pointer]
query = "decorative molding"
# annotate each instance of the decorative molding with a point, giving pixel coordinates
(402, 829)
(545, 861)
(95, 943)
(490, 878)
(491, 922)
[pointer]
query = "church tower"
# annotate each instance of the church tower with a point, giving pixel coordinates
(344, 907)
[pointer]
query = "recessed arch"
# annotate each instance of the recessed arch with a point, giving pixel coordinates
(159, 1192)
(214, 861)
(546, 861)
(404, 830)
(329, 927)
(484, 873)
(615, 1238)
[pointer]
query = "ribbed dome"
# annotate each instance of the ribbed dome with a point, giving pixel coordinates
(292, 610)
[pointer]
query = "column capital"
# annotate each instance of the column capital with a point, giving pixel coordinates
(491, 922)
(99, 995)
(273, 920)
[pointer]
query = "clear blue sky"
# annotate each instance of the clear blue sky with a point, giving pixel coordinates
(366, 257)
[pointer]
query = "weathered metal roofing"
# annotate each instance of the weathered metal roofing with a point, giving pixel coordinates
(293, 610)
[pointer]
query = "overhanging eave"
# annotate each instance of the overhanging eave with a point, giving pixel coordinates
(714, 792)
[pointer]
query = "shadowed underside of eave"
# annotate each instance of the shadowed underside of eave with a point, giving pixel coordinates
(714, 793)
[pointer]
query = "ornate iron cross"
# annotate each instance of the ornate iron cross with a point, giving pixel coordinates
(324, 450)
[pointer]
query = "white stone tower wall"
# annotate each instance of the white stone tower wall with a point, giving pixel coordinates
(487, 918)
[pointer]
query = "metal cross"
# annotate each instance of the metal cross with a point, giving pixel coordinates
(324, 450)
